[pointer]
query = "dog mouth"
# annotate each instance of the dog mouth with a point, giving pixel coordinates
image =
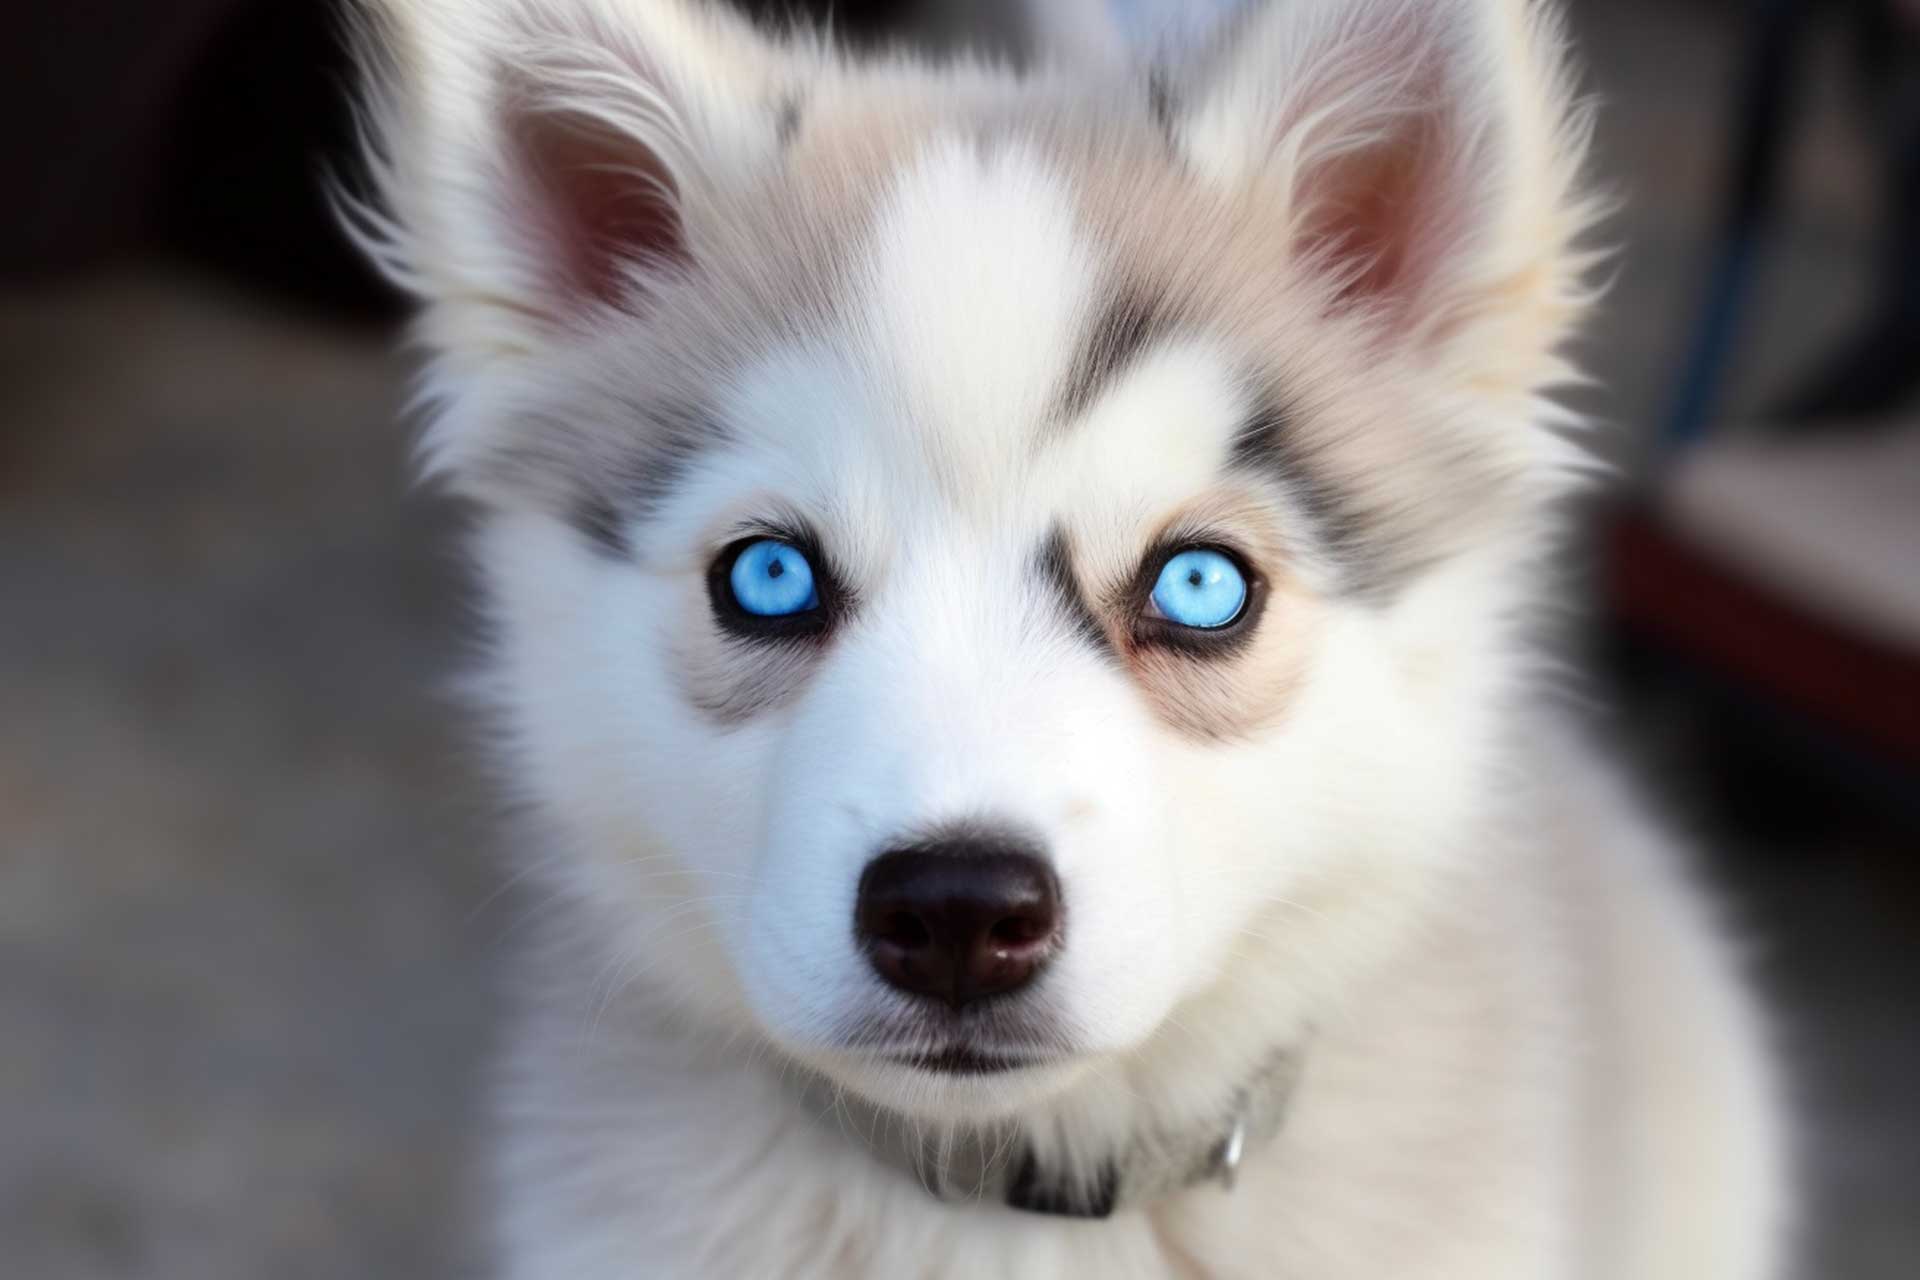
(955, 1048)
(959, 1060)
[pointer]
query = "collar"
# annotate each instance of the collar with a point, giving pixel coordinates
(997, 1163)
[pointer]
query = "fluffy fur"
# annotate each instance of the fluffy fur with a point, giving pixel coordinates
(990, 338)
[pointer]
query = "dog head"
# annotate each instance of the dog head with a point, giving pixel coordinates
(988, 564)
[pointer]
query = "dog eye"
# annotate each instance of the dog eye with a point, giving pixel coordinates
(1200, 588)
(772, 579)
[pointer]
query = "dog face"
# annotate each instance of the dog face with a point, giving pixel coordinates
(985, 563)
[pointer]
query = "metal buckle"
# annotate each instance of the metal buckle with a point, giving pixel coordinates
(1226, 1155)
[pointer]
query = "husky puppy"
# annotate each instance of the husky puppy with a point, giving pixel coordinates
(1009, 601)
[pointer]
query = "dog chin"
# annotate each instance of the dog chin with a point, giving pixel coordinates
(954, 1084)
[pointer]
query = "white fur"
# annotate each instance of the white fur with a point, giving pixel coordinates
(1526, 1052)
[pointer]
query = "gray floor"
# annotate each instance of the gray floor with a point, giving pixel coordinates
(247, 928)
(241, 998)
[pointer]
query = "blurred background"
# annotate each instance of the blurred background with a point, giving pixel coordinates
(250, 925)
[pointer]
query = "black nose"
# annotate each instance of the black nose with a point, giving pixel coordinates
(958, 920)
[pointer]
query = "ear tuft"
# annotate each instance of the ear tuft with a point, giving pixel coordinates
(537, 165)
(543, 157)
(1423, 155)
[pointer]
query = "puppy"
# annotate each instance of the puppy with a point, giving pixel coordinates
(1010, 599)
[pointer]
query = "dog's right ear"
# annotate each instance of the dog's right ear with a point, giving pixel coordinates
(539, 164)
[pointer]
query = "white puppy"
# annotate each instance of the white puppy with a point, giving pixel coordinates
(1010, 597)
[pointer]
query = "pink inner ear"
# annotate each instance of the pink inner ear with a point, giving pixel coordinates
(599, 202)
(1394, 201)
(1388, 214)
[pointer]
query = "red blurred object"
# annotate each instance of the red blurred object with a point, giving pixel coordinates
(1690, 603)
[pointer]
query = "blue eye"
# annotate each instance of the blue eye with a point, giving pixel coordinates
(772, 579)
(1200, 588)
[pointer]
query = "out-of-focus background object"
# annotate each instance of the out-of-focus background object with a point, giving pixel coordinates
(1778, 570)
(249, 921)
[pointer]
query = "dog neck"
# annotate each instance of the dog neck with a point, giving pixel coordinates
(998, 1162)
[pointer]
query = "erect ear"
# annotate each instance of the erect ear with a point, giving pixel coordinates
(1422, 154)
(536, 163)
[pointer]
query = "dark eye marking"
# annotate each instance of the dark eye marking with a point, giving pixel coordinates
(604, 475)
(1055, 567)
(786, 123)
(598, 521)
(1161, 104)
(1267, 444)
(1129, 321)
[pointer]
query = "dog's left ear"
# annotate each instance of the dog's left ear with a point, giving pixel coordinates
(1423, 155)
